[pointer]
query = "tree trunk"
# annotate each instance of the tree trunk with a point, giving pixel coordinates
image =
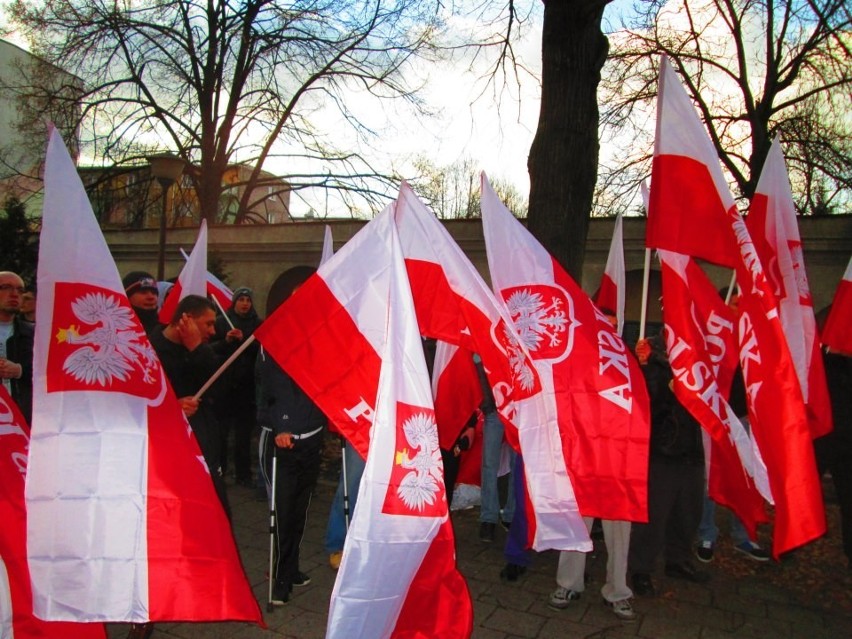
(563, 160)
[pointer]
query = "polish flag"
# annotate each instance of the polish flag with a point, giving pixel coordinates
(193, 278)
(16, 597)
(328, 335)
(702, 350)
(216, 288)
(454, 304)
(686, 209)
(589, 427)
(775, 232)
(837, 333)
(456, 390)
(398, 577)
(776, 407)
(612, 288)
(123, 523)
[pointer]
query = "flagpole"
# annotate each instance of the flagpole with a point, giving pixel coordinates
(224, 314)
(731, 287)
(223, 367)
(645, 277)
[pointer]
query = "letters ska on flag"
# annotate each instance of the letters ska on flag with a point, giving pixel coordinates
(591, 422)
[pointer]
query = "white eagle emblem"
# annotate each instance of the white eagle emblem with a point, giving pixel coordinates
(544, 320)
(420, 486)
(113, 348)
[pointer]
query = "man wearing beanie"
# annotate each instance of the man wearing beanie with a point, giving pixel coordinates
(141, 290)
(239, 412)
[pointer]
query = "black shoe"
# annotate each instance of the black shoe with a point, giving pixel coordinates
(687, 572)
(506, 525)
(280, 594)
(486, 531)
(642, 585)
(511, 572)
(301, 579)
(704, 552)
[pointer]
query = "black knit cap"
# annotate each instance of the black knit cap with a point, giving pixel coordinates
(138, 281)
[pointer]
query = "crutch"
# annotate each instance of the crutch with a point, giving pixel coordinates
(345, 483)
(272, 525)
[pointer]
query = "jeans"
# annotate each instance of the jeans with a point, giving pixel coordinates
(708, 531)
(335, 532)
(492, 446)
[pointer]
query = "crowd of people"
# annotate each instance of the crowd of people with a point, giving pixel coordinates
(255, 398)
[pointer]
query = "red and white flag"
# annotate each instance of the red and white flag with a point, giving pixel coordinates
(612, 289)
(193, 278)
(454, 304)
(837, 332)
(398, 577)
(123, 523)
(456, 390)
(589, 427)
(775, 233)
(775, 404)
(16, 597)
(328, 335)
(689, 195)
(702, 349)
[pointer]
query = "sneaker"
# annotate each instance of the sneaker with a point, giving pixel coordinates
(704, 552)
(752, 551)
(562, 598)
(140, 630)
(511, 572)
(621, 609)
(335, 558)
(505, 524)
(486, 531)
(301, 579)
(687, 572)
(280, 595)
(642, 584)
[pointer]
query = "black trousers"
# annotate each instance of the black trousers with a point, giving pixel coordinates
(675, 501)
(296, 477)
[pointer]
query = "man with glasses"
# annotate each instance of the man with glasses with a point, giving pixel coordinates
(16, 344)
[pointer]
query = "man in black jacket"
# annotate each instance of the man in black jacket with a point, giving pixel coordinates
(16, 344)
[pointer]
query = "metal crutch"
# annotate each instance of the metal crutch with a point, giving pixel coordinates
(272, 524)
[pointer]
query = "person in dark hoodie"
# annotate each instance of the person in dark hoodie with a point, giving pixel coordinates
(141, 290)
(238, 411)
(297, 427)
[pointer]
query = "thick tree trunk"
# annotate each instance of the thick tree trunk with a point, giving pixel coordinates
(563, 160)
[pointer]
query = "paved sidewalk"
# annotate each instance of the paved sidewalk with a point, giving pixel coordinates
(740, 601)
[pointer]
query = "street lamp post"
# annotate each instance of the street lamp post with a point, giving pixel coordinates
(166, 169)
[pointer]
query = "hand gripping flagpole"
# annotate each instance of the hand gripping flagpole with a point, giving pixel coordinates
(223, 367)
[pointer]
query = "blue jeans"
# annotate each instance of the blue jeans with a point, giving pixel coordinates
(708, 530)
(492, 445)
(335, 532)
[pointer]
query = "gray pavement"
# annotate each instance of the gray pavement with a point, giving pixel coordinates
(807, 596)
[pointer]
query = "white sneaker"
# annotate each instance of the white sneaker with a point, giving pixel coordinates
(562, 598)
(622, 609)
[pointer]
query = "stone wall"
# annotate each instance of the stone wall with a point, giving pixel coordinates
(255, 256)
